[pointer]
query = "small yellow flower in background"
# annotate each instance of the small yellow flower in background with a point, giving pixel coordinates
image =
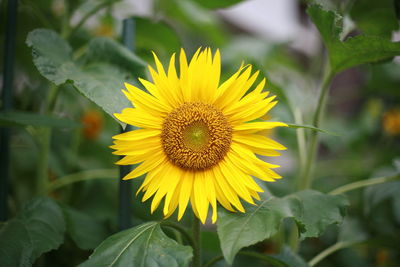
(105, 30)
(92, 121)
(196, 141)
(391, 121)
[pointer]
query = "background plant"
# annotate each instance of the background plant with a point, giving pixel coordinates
(339, 196)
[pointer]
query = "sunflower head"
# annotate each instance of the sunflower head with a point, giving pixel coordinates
(197, 140)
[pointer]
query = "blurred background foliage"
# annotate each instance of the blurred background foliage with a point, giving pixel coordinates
(363, 110)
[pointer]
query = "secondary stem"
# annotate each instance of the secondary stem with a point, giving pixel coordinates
(82, 176)
(313, 143)
(181, 230)
(214, 260)
(364, 183)
(301, 142)
(196, 242)
(294, 237)
(44, 139)
(87, 16)
(325, 253)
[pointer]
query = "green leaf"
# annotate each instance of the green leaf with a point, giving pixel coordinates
(102, 84)
(238, 230)
(375, 17)
(163, 39)
(374, 195)
(107, 66)
(50, 52)
(310, 127)
(106, 50)
(86, 231)
(193, 22)
(39, 228)
(319, 211)
(143, 245)
(290, 258)
(16, 118)
(351, 231)
(354, 51)
(212, 4)
(313, 212)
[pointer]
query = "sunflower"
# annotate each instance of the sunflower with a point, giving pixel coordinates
(197, 139)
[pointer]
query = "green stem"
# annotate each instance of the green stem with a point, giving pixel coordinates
(196, 242)
(325, 253)
(42, 179)
(87, 16)
(256, 255)
(364, 183)
(82, 176)
(214, 260)
(301, 142)
(51, 98)
(44, 139)
(313, 143)
(181, 230)
(263, 257)
(65, 27)
(294, 237)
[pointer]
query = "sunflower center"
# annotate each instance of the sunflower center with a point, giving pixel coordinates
(196, 136)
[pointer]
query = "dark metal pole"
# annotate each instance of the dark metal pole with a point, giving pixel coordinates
(125, 187)
(8, 77)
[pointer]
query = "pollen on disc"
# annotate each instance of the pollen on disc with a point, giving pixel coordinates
(196, 136)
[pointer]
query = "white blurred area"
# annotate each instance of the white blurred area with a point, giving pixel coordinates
(273, 21)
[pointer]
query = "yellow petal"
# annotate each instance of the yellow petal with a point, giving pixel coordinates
(145, 101)
(234, 91)
(235, 181)
(136, 147)
(147, 166)
(258, 141)
(222, 198)
(210, 188)
(176, 176)
(139, 118)
(250, 164)
(185, 192)
(154, 178)
(200, 195)
(139, 134)
(228, 191)
(253, 127)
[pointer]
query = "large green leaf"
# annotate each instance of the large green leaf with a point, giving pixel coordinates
(106, 66)
(194, 23)
(313, 212)
(106, 50)
(374, 195)
(351, 231)
(39, 228)
(144, 245)
(354, 51)
(50, 53)
(319, 211)
(238, 230)
(22, 119)
(375, 17)
(290, 258)
(86, 231)
(163, 39)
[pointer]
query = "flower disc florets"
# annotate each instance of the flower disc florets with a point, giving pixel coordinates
(196, 136)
